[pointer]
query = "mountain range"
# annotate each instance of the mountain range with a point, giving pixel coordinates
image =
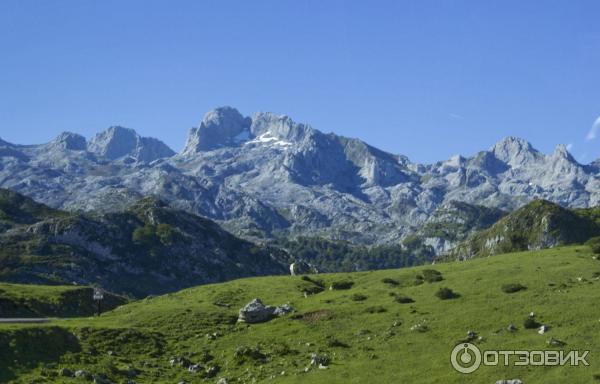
(266, 176)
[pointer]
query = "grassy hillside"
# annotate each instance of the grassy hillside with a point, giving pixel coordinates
(539, 224)
(20, 300)
(367, 331)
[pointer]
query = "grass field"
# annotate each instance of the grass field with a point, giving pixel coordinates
(366, 333)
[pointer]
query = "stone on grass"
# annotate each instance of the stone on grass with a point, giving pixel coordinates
(82, 374)
(212, 371)
(556, 343)
(512, 381)
(65, 372)
(256, 312)
(319, 360)
(194, 368)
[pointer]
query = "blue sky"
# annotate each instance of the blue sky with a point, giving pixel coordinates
(427, 79)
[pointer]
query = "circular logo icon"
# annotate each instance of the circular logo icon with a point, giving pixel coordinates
(465, 358)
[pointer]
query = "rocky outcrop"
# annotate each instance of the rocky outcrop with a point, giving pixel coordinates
(256, 312)
(219, 128)
(119, 142)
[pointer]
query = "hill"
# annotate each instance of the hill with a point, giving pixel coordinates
(148, 248)
(390, 325)
(539, 224)
(20, 300)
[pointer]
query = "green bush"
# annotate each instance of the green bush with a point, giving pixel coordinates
(358, 297)
(390, 281)
(165, 233)
(377, 309)
(402, 299)
(341, 284)
(145, 234)
(530, 323)
(431, 275)
(512, 287)
(594, 244)
(446, 294)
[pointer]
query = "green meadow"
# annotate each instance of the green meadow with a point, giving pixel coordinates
(388, 326)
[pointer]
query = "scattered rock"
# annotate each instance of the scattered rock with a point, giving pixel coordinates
(194, 368)
(319, 360)
(543, 329)
(302, 268)
(283, 310)
(222, 380)
(180, 361)
(81, 374)
(471, 335)
(513, 381)
(212, 371)
(556, 343)
(511, 328)
(65, 372)
(101, 379)
(420, 327)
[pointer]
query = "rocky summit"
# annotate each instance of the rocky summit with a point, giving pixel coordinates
(266, 176)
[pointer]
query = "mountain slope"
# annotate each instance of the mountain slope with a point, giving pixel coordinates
(18, 300)
(147, 248)
(365, 331)
(537, 225)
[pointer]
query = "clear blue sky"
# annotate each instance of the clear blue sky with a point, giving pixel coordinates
(427, 79)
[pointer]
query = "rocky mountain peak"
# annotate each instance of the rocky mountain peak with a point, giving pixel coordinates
(117, 142)
(69, 140)
(562, 152)
(223, 126)
(515, 151)
(279, 126)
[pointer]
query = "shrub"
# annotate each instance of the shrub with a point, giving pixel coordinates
(244, 353)
(446, 293)
(513, 287)
(530, 323)
(145, 234)
(402, 299)
(332, 342)
(358, 297)
(594, 244)
(342, 284)
(166, 233)
(316, 282)
(390, 281)
(377, 309)
(431, 275)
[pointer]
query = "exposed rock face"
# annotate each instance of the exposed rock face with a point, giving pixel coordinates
(266, 175)
(221, 127)
(69, 140)
(119, 142)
